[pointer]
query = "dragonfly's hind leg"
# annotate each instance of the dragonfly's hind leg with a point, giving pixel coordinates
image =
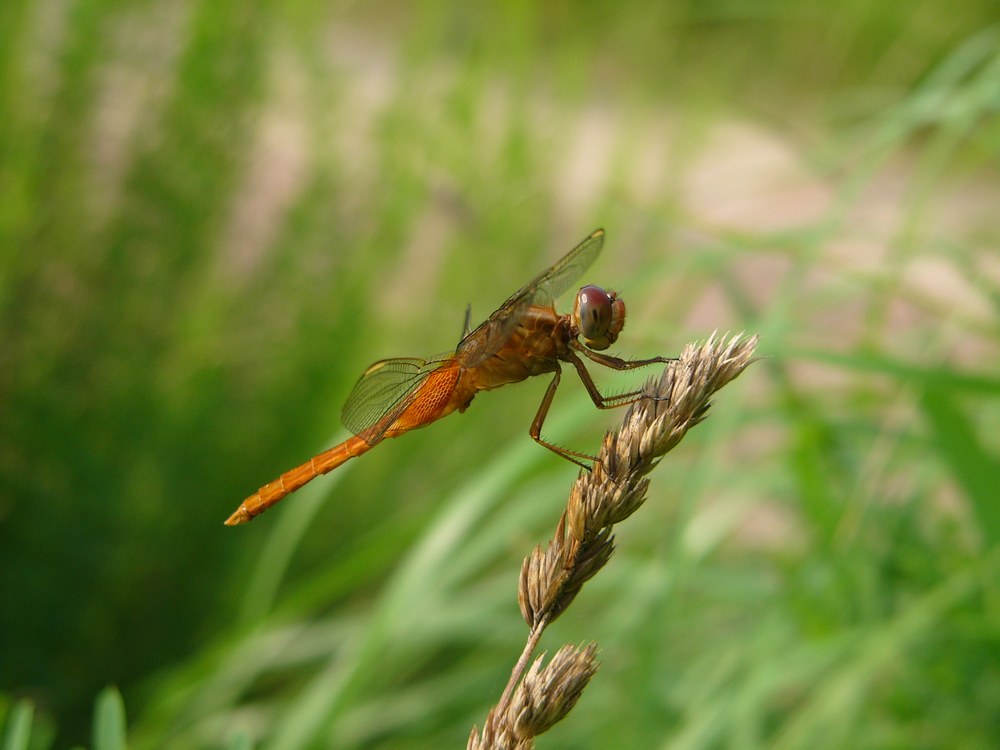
(536, 426)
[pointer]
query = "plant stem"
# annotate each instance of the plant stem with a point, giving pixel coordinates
(522, 663)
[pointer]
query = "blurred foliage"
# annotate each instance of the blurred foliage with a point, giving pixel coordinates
(213, 216)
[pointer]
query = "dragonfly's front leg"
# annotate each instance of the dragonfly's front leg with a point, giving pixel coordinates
(600, 400)
(621, 399)
(617, 363)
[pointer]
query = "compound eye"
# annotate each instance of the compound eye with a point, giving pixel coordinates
(593, 312)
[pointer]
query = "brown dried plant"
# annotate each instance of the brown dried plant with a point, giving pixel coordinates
(610, 492)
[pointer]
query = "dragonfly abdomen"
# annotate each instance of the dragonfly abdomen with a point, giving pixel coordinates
(295, 478)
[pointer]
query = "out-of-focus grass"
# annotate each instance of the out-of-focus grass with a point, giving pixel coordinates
(213, 216)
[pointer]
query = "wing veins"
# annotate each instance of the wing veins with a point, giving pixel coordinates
(382, 392)
(490, 336)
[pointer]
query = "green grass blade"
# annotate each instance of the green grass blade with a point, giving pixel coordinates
(976, 471)
(109, 721)
(18, 726)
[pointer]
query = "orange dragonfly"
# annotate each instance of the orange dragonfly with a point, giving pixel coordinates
(525, 337)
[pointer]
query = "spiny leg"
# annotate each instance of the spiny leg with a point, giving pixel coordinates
(617, 363)
(600, 400)
(536, 426)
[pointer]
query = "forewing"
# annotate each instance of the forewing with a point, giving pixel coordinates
(560, 276)
(382, 392)
(494, 332)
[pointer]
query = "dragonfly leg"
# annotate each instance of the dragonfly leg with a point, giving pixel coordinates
(617, 363)
(620, 399)
(536, 426)
(600, 400)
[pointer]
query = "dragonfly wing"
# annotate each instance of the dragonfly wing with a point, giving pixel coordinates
(560, 276)
(382, 393)
(492, 334)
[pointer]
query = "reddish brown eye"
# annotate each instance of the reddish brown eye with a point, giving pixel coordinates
(598, 316)
(593, 312)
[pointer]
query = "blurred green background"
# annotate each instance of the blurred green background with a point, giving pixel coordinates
(215, 215)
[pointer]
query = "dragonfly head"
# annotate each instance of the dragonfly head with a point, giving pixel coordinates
(599, 316)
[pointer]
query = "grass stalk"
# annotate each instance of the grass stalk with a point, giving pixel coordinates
(536, 698)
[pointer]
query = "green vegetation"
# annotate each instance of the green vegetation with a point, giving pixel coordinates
(214, 216)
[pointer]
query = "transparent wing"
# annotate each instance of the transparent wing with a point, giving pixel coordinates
(558, 277)
(382, 392)
(494, 332)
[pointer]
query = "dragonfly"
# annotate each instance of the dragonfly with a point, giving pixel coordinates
(523, 338)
